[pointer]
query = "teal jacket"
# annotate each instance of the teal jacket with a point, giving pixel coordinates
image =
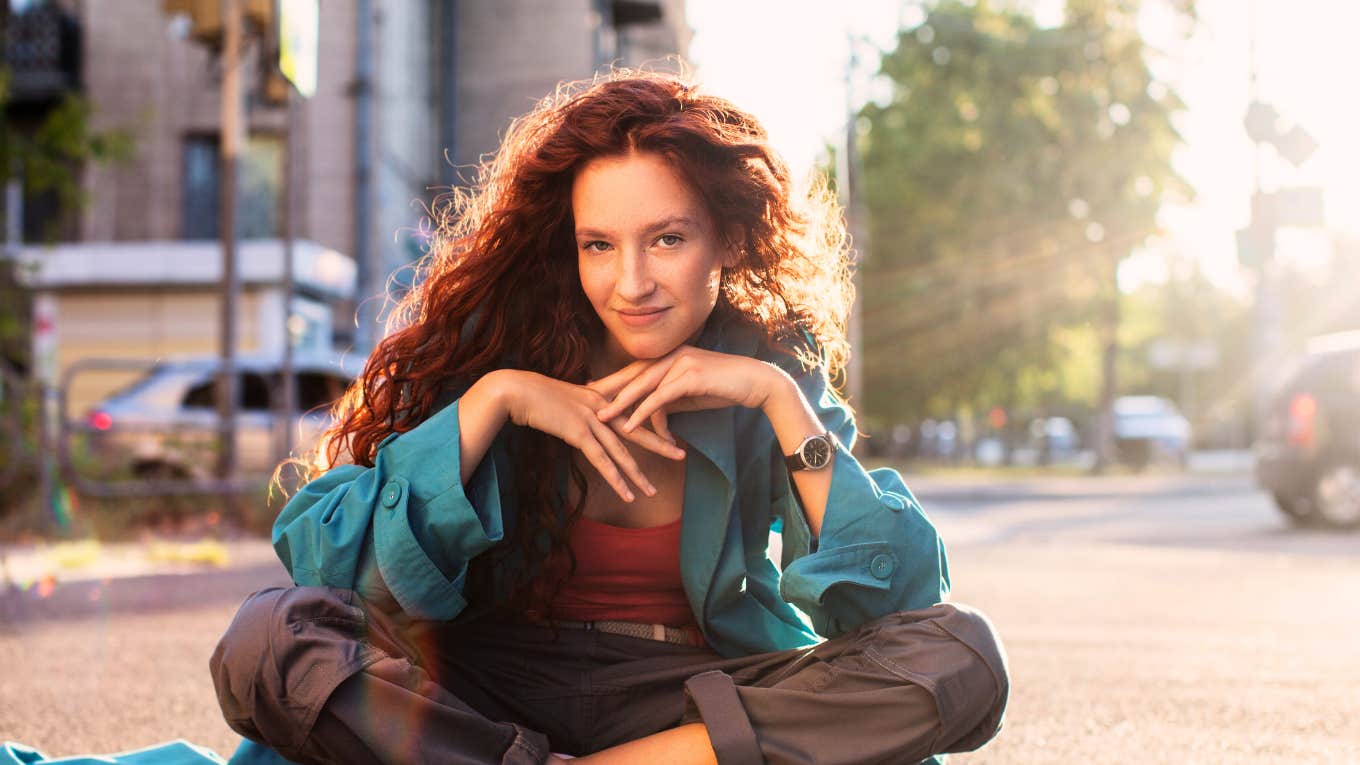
(402, 532)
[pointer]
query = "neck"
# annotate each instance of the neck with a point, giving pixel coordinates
(607, 360)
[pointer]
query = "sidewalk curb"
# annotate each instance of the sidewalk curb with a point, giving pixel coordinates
(136, 594)
(128, 578)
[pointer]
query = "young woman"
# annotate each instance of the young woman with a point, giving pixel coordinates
(541, 523)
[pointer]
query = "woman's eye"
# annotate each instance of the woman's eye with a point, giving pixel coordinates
(595, 246)
(670, 240)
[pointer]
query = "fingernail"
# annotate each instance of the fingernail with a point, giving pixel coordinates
(651, 490)
(628, 496)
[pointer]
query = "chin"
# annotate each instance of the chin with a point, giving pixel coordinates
(644, 351)
(647, 346)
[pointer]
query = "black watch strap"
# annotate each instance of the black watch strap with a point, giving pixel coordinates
(814, 453)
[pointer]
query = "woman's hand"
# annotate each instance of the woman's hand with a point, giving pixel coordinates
(567, 411)
(686, 379)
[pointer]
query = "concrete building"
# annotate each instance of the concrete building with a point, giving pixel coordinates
(142, 73)
(407, 91)
(152, 300)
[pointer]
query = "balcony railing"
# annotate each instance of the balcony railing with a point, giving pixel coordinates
(42, 52)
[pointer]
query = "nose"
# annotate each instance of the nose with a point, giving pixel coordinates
(635, 280)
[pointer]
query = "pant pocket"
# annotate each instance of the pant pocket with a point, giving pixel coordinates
(968, 689)
(283, 655)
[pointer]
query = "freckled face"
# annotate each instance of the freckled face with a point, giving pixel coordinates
(649, 259)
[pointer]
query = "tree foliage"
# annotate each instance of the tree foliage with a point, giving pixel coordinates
(45, 149)
(1012, 169)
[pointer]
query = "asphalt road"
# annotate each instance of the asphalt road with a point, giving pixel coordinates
(1159, 620)
(1149, 620)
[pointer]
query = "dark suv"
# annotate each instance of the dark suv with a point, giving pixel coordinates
(1308, 456)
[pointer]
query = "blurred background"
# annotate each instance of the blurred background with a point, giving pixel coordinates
(1108, 314)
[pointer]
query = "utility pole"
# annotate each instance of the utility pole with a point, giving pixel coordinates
(1271, 209)
(847, 178)
(289, 384)
(228, 392)
(1105, 446)
(297, 30)
(1265, 314)
(370, 282)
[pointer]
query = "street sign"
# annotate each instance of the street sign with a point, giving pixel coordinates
(1296, 145)
(1254, 245)
(45, 337)
(1165, 353)
(1260, 122)
(1300, 206)
(298, 39)
(1263, 123)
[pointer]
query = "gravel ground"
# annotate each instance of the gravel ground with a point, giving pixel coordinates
(101, 685)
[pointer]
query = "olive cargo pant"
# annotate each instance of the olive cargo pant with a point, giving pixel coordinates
(321, 678)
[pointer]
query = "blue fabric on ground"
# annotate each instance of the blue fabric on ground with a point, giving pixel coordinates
(178, 752)
(252, 753)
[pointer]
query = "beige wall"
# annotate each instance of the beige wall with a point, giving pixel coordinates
(141, 325)
(140, 78)
(511, 53)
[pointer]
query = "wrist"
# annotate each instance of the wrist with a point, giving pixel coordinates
(778, 390)
(495, 392)
(790, 413)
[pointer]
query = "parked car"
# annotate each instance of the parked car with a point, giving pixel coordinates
(1150, 430)
(1053, 439)
(1308, 453)
(164, 424)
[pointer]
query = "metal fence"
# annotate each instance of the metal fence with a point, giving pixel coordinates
(42, 434)
(72, 428)
(14, 390)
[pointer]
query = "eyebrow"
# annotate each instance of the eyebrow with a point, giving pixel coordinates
(664, 223)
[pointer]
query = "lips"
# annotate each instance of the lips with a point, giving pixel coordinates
(641, 317)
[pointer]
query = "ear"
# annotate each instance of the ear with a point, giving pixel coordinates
(732, 247)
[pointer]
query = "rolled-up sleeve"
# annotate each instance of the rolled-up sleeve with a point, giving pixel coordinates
(407, 524)
(878, 551)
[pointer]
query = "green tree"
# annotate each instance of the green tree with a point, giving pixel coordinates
(44, 150)
(1012, 169)
(43, 147)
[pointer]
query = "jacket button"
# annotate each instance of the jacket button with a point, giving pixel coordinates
(391, 495)
(893, 502)
(882, 566)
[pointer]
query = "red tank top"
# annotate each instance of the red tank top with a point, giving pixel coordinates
(622, 574)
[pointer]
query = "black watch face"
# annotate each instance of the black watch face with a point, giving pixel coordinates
(817, 452)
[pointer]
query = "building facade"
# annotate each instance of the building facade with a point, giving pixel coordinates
(410, 95)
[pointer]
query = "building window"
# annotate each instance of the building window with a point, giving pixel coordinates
(259, 187)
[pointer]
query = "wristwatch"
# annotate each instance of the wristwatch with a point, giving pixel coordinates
(814, 453)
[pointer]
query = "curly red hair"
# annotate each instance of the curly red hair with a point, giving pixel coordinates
(500, 287)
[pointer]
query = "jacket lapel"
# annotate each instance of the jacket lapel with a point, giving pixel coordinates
(710, 474)
(710, 483)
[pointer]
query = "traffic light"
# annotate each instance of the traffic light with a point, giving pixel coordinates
(207, 24)
(1265, 124)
